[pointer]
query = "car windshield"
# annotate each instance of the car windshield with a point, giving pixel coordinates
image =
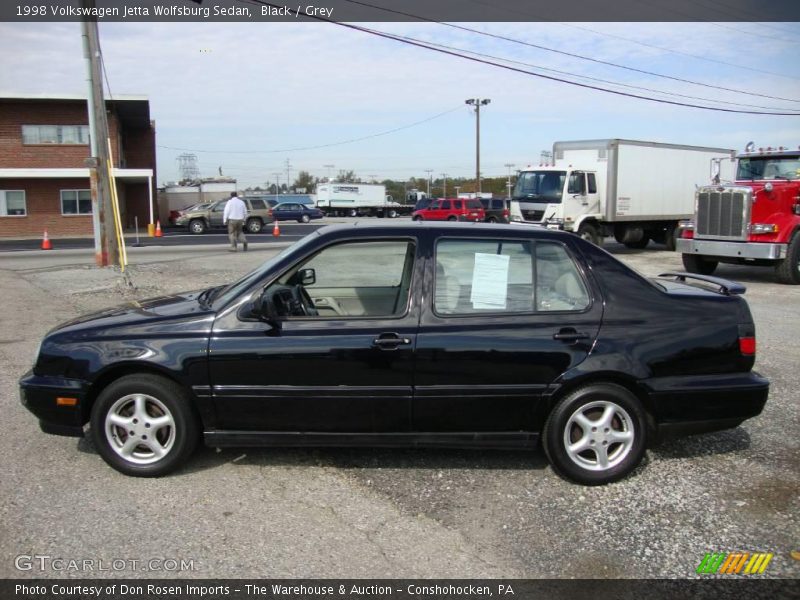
(232, 290)
(540, 186)
(769, 167)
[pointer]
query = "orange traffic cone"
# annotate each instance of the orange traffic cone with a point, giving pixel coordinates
(276, 231)
(158, 229)
(46, 244)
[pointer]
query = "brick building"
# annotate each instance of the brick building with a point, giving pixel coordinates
(44, 183)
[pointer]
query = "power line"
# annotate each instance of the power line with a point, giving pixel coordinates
(563, 52)
(636, 87)
(350, 141)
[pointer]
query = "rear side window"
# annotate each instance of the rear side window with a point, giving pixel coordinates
(505, 276)
(474, 204)
(257, 204)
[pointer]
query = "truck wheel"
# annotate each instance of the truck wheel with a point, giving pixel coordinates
(588, 232)
(596, 434)
(698, 264)
(254, 225)
(197, 226)
(672, 238)
(352, 213)
(642, 243)
(788, 270)
(392, 214)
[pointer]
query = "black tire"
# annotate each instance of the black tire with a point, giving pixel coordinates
(305, 219)
(164, 401)
(452, 218)
(417, 218)
(698, 264)
(622, 442)
(642, 243)
(788, 270)
(589, 232)
(352, 212)
(671, 241)
(491, 220)
(197, 226)
(254, 225)
(392, 214)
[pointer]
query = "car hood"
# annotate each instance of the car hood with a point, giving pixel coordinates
(181, 309)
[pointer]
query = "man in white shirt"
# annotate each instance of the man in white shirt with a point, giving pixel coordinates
(234, 216)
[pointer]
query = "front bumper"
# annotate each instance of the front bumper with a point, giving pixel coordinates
(754, 250)
(39, 395)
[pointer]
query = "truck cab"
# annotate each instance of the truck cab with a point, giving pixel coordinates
(557, 198)
(752, 220)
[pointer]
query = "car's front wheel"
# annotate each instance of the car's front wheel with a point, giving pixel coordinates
(254, 225)
(305, 219)
(596, 434)
(143, 425)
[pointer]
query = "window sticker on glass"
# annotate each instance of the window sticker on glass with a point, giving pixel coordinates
(490, 281)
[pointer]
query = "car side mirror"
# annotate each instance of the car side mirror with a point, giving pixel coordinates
(261, 308)
(306, 276)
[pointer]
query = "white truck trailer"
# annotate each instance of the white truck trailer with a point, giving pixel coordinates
(358, 200)
(636, 191)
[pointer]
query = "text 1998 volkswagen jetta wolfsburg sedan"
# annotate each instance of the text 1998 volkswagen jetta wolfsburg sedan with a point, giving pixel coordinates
(411, 334)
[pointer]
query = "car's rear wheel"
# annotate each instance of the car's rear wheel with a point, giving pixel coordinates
(305, 219)
(197, 226)
(254, 225)
(698, 264)
(491, 220)
(143, 425)
(452, 218)
(596, 434)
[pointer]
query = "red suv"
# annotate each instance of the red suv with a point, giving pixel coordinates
(451, 209)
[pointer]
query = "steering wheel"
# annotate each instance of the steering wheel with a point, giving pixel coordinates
(302, 302)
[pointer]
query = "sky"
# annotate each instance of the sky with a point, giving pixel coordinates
(245, 97)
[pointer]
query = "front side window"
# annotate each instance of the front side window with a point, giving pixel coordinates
(445, 205)
(592, 183)
(577, 183)
(55, 134)
(76, 202)
(353, 279)
(506, 276)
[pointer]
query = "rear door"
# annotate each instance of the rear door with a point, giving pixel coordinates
(507, 317)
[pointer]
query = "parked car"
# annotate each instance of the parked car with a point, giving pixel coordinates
(294, 211)
(209, 216)
(496, 210)
(174, 215)
(417, 334)
(451, 209)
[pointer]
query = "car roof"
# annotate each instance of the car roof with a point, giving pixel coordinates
(448, 227)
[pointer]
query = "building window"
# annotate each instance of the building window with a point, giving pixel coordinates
(55, 134)
(76, 202)
(12, 203)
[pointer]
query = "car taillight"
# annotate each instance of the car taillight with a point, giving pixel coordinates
(747, 345)
(506, 212)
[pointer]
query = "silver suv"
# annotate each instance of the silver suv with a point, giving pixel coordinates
(210, 216)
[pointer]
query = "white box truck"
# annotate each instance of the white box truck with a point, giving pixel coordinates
(636, 191)
(358, 200)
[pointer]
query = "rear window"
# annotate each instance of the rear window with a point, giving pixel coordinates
(474, 204)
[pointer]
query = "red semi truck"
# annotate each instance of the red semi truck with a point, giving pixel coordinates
(754, 220)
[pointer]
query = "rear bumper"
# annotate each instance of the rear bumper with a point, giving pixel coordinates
(763, 251)
(39, 394)
(692, 404)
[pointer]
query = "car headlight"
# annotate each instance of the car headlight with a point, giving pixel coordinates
(762, 228)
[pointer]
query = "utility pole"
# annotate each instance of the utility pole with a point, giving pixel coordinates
(429, 171)
(277, 185)
(288, 174)
(329, 167)
(477, 103)
(106, 251)
(458, 187)
(444, 185)
(508, 185)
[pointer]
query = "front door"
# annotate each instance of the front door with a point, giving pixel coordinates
(216, 212)
(508, 317)
(344, 366)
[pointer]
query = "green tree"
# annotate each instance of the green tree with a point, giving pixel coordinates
(348, 177)
(305, 181)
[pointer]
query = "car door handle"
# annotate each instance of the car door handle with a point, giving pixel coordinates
(570, 335)
(390, 341)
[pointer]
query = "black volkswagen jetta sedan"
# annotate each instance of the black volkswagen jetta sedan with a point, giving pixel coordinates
(413, 334)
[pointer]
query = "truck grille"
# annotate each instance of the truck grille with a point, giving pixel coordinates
(532, 215)
(722, 214)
